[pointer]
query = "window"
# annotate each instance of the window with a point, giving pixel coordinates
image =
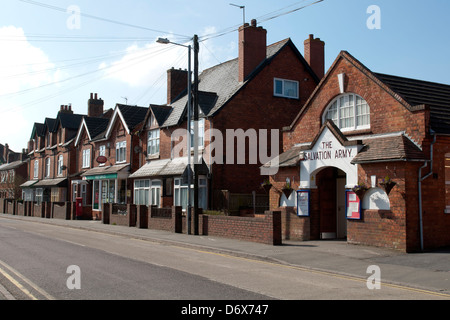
(47, 167)
(87, 158)
(285, 88)
(102, 153)
(60, 165)
(181, 190)
(349, 112)
(153, 142)
(36, 169)
(201, 133)
(141, 192)
(49, 139)
(39, 195)
(121, 151)
(156, 193)
(147, 192)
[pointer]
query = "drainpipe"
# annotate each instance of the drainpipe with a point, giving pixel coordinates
(420, 189)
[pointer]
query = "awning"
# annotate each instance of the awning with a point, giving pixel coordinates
(103, 173)
(29, 184)
(168, 167)
(62, 182)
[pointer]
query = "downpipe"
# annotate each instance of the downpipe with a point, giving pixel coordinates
(420, 189)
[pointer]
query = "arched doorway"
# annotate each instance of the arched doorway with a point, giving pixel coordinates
(331, 183)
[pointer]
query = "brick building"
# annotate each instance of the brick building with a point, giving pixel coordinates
(362, 130)
(262, 89)
(106, 155)
(52, 156)
(13, 172)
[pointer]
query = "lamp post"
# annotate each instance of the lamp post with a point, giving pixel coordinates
(188, 210)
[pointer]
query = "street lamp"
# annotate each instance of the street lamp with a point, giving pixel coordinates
(188, 211)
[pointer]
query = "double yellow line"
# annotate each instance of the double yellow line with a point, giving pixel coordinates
(10, 278)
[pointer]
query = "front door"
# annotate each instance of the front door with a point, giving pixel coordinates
(331, 184)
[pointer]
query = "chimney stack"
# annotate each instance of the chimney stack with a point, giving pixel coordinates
(315, 55)
(66, 109)
(177, 81)
(252, 48)
(95, 106)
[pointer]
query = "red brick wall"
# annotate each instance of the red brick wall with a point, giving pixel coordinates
(380, 101)
(265, 230)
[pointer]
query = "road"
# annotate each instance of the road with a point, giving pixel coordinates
(42, 262)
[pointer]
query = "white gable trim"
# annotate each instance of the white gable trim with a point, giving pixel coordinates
(116, 114)
(80, 129)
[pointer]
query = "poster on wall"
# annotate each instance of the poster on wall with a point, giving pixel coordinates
(303, 203)
(353, 205)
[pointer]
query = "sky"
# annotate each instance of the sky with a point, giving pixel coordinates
(57, 52)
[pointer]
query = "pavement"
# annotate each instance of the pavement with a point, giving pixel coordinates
(429, 271)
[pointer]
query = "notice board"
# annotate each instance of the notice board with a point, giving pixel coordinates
(303, 203)
(353, 205)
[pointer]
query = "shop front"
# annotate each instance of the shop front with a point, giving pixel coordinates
(108, 185)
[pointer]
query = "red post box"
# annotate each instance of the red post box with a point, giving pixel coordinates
(79, 208)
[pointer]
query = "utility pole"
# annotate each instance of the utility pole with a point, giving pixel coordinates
(196, 112)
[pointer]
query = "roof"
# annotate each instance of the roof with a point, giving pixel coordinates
(68, 120)
(96, 127)
(106, 170)
(391, 148)
(131, 117)
(419, 92)
(60, 182)
(167, 167)
(12, 165)
(219, 84)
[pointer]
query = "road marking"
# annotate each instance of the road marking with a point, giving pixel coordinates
(327, 273)
(17, 284)
(6, 293)
(23, 278)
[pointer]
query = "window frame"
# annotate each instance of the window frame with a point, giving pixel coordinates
(352, 107)
(60, 165)
(86, 161)
(102, 152)
(151, 139)
(48, 165)
(121, 152)
(283, 93)
(36, 169)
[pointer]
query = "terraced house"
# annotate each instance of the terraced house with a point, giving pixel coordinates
(262, 89)
(51, 155)
(106, 156)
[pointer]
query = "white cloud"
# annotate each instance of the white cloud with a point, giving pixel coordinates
(142, 66)
(23, 65)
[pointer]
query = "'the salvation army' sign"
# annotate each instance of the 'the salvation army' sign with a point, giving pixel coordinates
(328, 151)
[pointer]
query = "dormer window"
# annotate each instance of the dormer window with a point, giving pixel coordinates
(348, 112)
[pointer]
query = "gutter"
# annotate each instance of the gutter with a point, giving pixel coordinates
(420, 188)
